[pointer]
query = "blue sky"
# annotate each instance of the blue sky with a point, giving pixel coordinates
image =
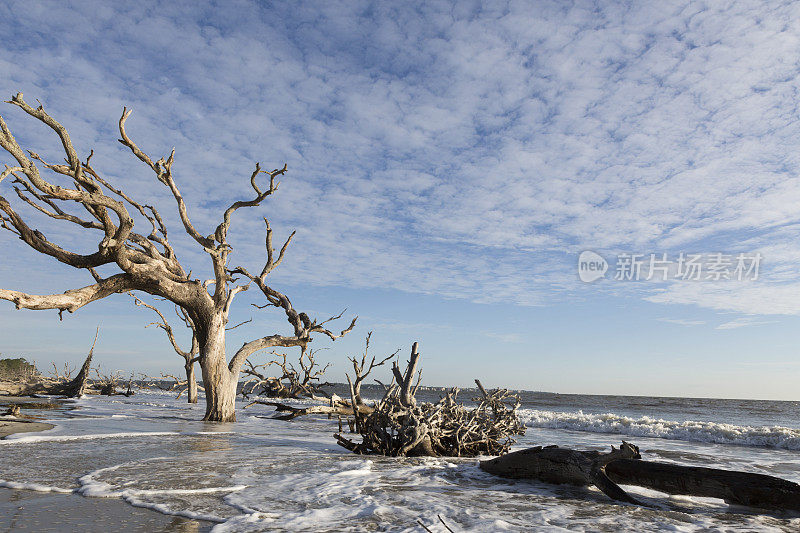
(447, 164)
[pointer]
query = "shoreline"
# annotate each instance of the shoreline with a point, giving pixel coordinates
(10, 426)
(31, 510)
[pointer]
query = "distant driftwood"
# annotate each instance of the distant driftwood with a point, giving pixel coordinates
(65, 385)
(302, 384)
(624, 466)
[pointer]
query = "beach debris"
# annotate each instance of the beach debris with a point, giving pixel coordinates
(429, 530)
(13, 410)
(107, 382)
(624, 466)
(399, 425)
(291, 383)
(552, 464)
(306, 387)
(736, 488)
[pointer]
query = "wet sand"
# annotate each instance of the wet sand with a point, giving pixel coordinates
(25, 423)
(26, 510)
(9, 426)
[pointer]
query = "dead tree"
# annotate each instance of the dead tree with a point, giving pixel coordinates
(77, 387)
(330, 405)
(146, 261)
(189, 357)
(398, 425)
(64, 384)
(362, 370)
(291, 383)
(62, 375)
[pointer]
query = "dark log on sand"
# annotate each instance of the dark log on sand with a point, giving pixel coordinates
(563, 466)
(738, 488)
(625, 467)
(335, 407)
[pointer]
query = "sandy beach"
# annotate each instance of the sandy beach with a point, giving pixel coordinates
(9, 426)
(25, 423)
(26, 510)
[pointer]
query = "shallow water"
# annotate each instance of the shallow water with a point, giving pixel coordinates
(260, 474)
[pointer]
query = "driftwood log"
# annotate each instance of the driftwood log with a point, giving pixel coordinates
(552, 464)
(737, 488)
(335, 407)
(624, 467)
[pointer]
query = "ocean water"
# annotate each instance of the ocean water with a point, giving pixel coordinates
(258, 474)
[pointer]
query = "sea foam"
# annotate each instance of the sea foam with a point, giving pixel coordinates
(712, 432)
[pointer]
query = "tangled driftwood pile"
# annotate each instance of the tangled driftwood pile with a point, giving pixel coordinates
(400, 426)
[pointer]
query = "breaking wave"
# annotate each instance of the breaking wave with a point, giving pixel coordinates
(713, 432)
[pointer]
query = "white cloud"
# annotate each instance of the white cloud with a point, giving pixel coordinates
(683, 321)
(463, 154)
(742, 322)
(745, 297)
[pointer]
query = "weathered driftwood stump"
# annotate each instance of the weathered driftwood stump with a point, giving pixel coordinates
(73, 388)
(552, 464)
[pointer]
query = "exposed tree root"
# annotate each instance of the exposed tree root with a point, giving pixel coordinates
(399, 426)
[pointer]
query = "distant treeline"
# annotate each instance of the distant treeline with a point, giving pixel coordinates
(16, 369)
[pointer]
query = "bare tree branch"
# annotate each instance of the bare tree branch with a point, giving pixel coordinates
(73, 299)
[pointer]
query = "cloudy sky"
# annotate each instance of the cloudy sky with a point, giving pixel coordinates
(448, 162)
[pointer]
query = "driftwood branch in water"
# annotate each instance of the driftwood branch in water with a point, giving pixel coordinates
(625, 467)
(738, 488)
(552, 464)
(336, 406)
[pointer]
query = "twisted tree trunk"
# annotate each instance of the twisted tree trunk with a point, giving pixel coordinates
(191, 382)
(218, 380)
